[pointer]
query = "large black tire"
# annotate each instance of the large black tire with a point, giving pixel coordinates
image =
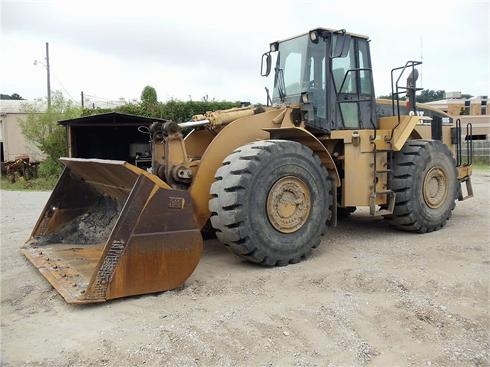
(255, 183)
(425, 183)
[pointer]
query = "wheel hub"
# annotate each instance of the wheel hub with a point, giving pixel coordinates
(435, 187)
(288, 204)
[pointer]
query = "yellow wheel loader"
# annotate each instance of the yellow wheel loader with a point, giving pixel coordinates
(269, 180)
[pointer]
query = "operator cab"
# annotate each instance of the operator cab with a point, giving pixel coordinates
(328, 74)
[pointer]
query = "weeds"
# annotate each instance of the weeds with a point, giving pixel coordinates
(35, 184)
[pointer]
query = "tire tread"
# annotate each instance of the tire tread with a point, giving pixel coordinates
(228, 197)
(414, 154)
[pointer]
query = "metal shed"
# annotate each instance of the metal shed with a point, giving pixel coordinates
(110, 135)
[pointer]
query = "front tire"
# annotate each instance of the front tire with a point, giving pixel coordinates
(271, 201)
(425, 183)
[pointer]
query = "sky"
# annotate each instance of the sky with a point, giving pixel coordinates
(191, 49)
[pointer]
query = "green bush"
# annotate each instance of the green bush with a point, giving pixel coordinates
(175, 110)
(42, 129)
(49, 168)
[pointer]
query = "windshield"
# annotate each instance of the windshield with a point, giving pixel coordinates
(290, 66)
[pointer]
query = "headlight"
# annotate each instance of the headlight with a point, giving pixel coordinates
(314, 36)
(304, 98)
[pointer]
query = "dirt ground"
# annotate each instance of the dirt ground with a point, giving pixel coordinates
(369, 295)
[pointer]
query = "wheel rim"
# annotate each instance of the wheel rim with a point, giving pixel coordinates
(435, 187)
(288, 204)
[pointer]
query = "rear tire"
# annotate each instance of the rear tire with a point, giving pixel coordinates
(425, 183)
(271, 201)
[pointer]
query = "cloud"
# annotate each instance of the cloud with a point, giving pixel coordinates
(212, 47)
(173, 35)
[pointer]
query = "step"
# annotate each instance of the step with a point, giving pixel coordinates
(383, 212)
(391, 203)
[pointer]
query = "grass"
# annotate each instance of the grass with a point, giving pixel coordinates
(37, 184)
(481, 167)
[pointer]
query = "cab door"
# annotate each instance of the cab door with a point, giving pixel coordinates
(354, 106)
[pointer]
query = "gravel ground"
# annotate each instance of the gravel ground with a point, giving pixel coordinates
(369, 295)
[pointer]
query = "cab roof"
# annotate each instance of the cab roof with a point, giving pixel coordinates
(328, 30)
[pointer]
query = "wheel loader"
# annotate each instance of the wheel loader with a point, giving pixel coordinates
(269, 180)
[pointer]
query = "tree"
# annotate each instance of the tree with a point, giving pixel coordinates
(173, 109)
(16, 96)
(429, 95)
(42, 129)
(13, 96)
(426, 95)
(388, 96)
(149, 100)
(149, 95)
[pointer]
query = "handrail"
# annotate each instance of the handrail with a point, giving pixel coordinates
(394, 85)
(469, 143)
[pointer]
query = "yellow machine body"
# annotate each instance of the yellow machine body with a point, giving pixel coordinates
(111, 229)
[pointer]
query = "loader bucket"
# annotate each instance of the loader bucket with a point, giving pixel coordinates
(112, 230)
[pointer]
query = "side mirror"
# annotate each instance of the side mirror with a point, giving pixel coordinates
(341, 45)
(265, 66)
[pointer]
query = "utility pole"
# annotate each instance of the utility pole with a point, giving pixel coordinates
(49, 80)
(83, 101)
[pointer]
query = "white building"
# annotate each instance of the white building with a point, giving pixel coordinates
(13, 144)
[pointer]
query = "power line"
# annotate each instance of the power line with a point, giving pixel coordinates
(102, 101)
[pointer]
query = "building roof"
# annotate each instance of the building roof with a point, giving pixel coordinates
(18, 106)
(446, 101)
(110, 118)
(449, 101)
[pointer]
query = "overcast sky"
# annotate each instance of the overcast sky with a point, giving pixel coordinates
(112, 49)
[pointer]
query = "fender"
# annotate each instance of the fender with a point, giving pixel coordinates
(240, 132)
(304, 137)
(400, 130)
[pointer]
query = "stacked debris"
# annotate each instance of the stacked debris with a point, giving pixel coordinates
(21, 167)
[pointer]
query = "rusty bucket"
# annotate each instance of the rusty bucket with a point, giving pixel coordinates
(112, 230)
